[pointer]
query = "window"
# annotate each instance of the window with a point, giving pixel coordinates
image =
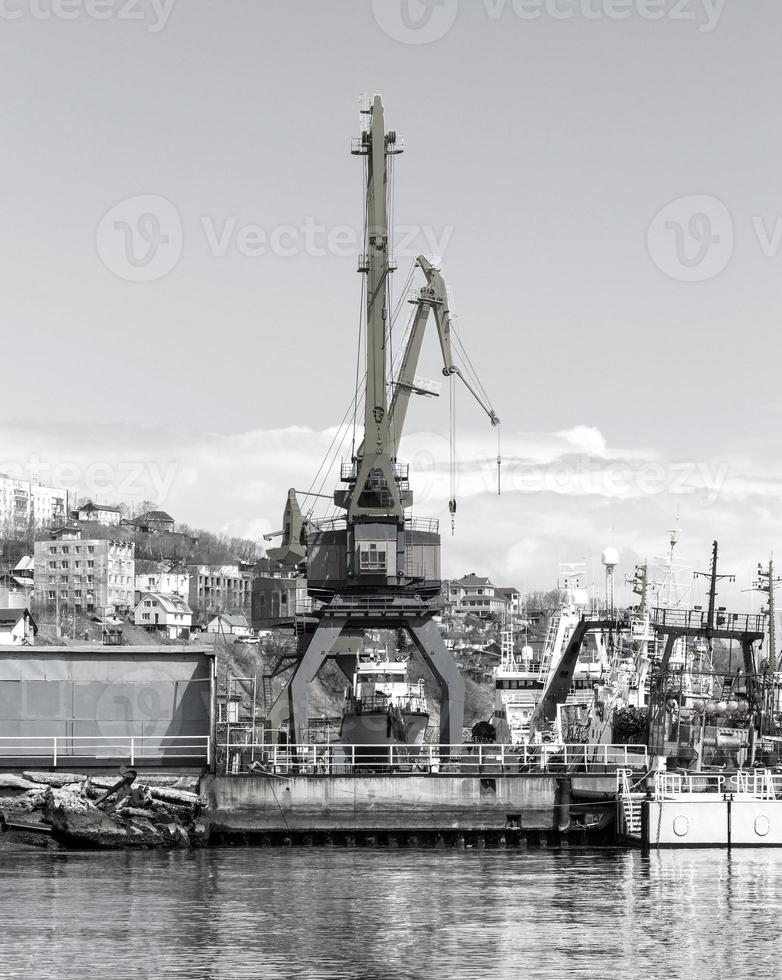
(65, 549)
(90, 564)
(77, 550)
(52, 564)
(90, 549)
(372, 558)
(53, 551)
(51, 594)
(64, 563)
(145, 615)
(77, 564)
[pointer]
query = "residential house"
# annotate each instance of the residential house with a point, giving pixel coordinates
(476, 595)
(87, 575)
(152, 522)
(102, 513)
(17, 627)
(229, 624)
(16, 585)
(24, 504)
(166, 613)
(514, 601)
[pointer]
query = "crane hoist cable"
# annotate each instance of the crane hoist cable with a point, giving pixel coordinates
(452, 451)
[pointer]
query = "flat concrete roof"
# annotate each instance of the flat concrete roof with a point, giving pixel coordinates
(110, 650)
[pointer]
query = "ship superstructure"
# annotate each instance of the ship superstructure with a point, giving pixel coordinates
(382, 707)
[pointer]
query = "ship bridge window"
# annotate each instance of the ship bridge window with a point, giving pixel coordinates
(372, 558)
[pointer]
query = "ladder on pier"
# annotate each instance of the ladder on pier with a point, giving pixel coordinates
(549, 646)
(631, 803)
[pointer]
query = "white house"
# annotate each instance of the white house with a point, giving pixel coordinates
(230, 624)
(165, 612)
(102, 513)
(17, 627)
(167, 582)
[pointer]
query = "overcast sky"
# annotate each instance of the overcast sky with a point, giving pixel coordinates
(600, 177)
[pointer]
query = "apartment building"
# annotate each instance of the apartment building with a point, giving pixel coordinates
(218, 588)
(88, 575)
(23, 503)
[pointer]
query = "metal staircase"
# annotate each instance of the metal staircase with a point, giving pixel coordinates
(549, 646)
(631, 803)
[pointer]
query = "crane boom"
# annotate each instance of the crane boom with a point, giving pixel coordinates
(433, 297)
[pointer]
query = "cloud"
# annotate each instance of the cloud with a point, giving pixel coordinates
(565, 495)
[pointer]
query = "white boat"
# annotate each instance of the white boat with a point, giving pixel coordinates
(381, 706)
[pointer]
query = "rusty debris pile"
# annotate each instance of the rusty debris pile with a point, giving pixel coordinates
(60, 809)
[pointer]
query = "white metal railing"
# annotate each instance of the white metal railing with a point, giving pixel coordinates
(470, 759)
(757, 784)
(57, 750)
(675, 785)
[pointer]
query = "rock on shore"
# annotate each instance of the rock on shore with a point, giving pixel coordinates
(58, 809)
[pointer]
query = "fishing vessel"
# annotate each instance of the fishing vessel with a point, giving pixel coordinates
(522, 680)
(381, 706)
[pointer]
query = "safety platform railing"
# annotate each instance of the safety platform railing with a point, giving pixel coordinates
(70, 750)
(471, 759)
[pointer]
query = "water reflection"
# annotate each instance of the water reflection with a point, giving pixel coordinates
(322, 913)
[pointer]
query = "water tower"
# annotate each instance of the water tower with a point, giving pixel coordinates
(610, 560)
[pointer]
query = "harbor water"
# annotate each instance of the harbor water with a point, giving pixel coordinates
(363, 913)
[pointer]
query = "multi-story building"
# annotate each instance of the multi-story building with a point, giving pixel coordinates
(479, 596)
(88, 575)
(219, 588)
(24, 504)
(174, 581)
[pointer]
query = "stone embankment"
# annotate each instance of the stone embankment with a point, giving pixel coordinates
(73, 810)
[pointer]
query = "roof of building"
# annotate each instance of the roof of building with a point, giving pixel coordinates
(233, 619)
(170, 602)
(153, 517)
(10, 617)
(472, 579)
(90, 506)
(507, 590)
(25, 564)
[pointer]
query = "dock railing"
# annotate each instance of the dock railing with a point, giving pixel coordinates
(410, 760)
(66, 751)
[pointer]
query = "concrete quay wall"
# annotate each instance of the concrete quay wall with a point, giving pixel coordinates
(383, 803)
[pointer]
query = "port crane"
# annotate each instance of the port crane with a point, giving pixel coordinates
(376, 567)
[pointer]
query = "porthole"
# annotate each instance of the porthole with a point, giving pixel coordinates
(681, 825)
(762, 825)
